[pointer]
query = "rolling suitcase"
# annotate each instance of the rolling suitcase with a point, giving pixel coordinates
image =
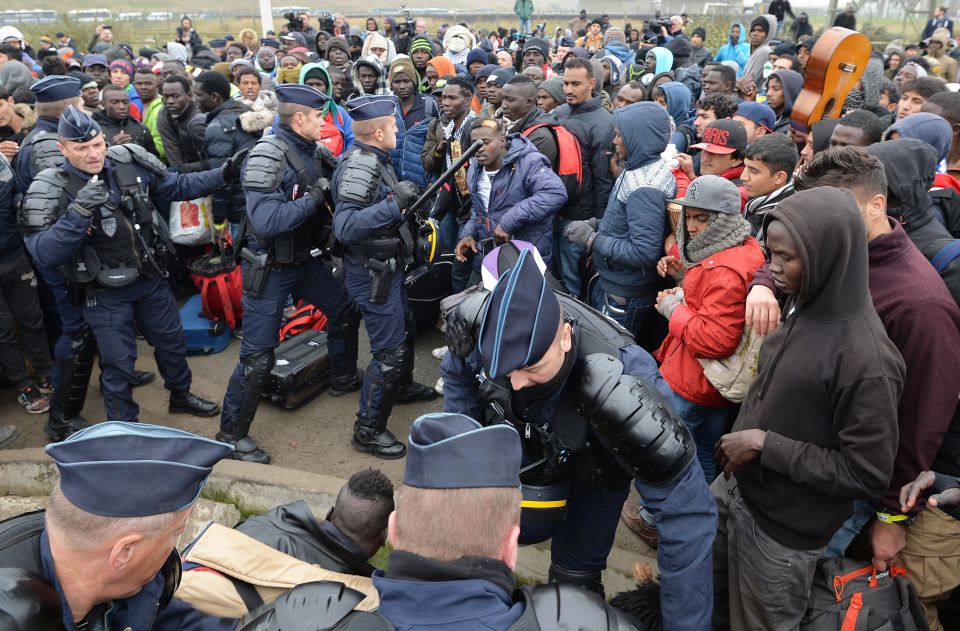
(204, 336)
(301, 370)
(425, 293)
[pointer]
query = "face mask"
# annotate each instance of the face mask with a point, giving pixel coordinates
(457, 44)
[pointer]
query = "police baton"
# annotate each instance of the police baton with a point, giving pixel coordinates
(445, 177)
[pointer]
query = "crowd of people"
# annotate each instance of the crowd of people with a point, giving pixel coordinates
(661, 277)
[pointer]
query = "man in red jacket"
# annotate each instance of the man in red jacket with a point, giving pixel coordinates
(923, 321)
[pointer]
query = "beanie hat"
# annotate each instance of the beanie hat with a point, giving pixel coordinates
(786, 48)
(486, 71)
(702, 32)
(760, 21)
(554, 87)
(338, 42)
(122, 64)
(475, 55)
(539, 44)
(680, 47)
(614, 33)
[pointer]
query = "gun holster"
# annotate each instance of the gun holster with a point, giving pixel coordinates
(381, 276)
(255, 275)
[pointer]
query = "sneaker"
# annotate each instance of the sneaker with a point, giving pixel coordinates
(439, 352)
(33, 401)
(630, 516)
(439, 386)
(46, 385)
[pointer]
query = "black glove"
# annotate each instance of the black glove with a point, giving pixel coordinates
(405, 193)
(91, 197)
(326, 158)
(231, 168)
(319, 192)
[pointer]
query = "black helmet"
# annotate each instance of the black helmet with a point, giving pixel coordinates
(542, 509)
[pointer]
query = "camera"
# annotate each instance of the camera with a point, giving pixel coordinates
(326, 22)
(293, 22)
(408, 27)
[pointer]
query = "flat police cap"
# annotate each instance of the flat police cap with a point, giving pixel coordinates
(120, 469)
(301, 95)
(370, 106)
(452, 451)
(77, 126)
(521, 319)
(56, 88)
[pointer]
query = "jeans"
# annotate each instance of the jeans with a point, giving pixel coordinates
(629, 315)
(566, 258)
(706, 425)
(449, 230)
(862, 513)
(525, 25)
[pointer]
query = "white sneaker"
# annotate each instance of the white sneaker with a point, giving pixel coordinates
(439, 386)
(439, 352)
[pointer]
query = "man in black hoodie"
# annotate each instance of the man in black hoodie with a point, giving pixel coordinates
(118, 126)
(818, 430)
(520, 112)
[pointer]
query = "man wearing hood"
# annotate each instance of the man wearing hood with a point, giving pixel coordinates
(583, 115)
(943, 64)
(628, 242)
(457, 42)
(783, 87)
(736, 49)
(762, 30)
(791, 471)
(368, 77)
(514, 194)
(337, 132)
(910, 165)
(674, 97)
(847, 18)
(337, 54)
(378, 45)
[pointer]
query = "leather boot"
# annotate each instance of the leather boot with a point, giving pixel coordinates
(58, 428)
(143, 377)
(377, 441)
(588, 579)
(340, 386)
(185, 402)
(415, 392)
(245, 448)
(410, 391)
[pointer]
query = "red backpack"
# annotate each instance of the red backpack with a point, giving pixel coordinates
(217, 276)
(570, 160)
(304, 317)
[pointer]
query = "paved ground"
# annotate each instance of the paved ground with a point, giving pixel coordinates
(314, 438)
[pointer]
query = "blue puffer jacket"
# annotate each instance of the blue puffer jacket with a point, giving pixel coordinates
(406, 157)
(630, 236)
(525, 194)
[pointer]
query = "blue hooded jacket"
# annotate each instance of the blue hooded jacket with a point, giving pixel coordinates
(930, 128)
(678, 106)
(621, 52)
(525, 195)
(735, 50)
(630, 236)
(664, 59)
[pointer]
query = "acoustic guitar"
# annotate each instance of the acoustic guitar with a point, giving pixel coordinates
(836, 64)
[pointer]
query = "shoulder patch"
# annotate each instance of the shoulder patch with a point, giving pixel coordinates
(266, 165)
(130, 153)
(360, 180)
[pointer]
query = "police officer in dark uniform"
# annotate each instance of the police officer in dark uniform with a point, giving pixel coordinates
(92, 220)
(378, 241)
(75, 349)
(286, 186)
(106, 541)
(586, 402)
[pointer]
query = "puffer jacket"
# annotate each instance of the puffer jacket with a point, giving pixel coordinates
(630, 236)
(711, 322)
(406, 157)
(525, 195)
(222, 138)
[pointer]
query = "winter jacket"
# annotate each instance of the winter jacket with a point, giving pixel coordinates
(542, 137)
(711, 322)
(664, 59)
(792, 83)
(678, 106)
(524, 197)
(738, 51)
(406, 157)
(630, 236)
(222, 138)
(761, 54)
(846, 20)
(909, 165)
(593, 127)
(11, 239)
(828, 385)
(943, 64)
(701, 56)
(111, 127)
(183, 138)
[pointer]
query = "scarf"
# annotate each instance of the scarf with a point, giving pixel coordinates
(758, 206)
(656, 174)
(724, 231)
(456, 149)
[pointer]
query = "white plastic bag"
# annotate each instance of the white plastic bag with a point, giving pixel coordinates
(191, 221)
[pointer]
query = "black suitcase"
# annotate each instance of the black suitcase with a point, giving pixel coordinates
(425, 293)
(301, 370)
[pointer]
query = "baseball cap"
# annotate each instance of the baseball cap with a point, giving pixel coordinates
(758, 113)
(723, 136)
(713, 193)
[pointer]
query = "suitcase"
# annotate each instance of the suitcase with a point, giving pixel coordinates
(301, 370)
(425, 293)
(204, 337)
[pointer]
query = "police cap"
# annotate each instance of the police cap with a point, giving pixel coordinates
(77, 126)
(56, 88)
(298, 94)
(370, 106)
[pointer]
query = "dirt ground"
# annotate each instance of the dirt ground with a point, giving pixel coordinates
(315, 437)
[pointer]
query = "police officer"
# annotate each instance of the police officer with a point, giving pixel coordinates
(286, 185)
(589, 406)
(106, 541)
(371, 225)
(92, 219)
(75, 349)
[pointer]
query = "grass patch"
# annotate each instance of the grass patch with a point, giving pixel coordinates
(379, 560)
(222, 497)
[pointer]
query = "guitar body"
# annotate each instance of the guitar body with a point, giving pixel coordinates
(836, 64)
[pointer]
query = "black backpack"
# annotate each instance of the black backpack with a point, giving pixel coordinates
(849, 596)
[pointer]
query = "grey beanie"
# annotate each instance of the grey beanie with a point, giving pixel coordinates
(554, 87)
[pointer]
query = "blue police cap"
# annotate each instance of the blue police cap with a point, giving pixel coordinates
(370, 106)
(77, 126)
(521, 319)
(119, 469)
(56, 88)
(301, 95)
(218, 43)
(452, 451)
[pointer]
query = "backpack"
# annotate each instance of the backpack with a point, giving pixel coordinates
(850, 597)
(569, 162)
(303, 317)
(220, 282)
